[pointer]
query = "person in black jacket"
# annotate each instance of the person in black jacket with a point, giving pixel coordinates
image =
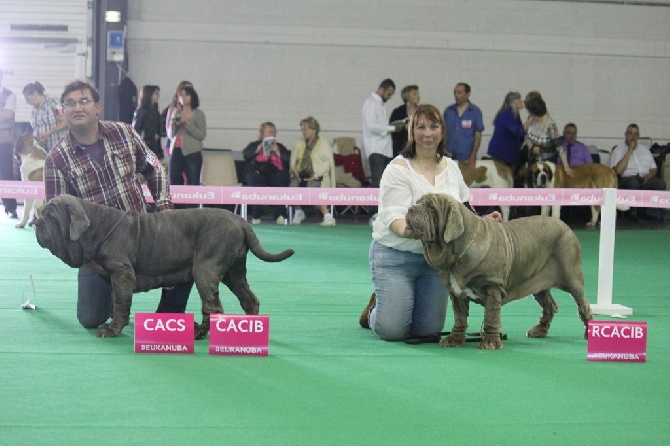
(147, 119)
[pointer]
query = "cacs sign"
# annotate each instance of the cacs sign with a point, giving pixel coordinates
(617, 341)
(239, 334)
(164, 333)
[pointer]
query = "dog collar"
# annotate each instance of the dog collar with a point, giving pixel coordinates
(479, 223)
(109, 233)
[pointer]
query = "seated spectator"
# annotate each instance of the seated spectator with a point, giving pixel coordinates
(312, 165)
(272, 169)
(575, 151)
(635, 165)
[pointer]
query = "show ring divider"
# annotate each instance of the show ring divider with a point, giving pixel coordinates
(609, 199)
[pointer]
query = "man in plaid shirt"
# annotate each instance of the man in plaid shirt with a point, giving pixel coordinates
(100, 161)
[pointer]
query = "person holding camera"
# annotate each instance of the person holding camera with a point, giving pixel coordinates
(267, 165)
(312, 165)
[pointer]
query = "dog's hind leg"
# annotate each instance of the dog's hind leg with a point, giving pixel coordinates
(549, 308)
(595, 213)
(461, 307)
(583, 306)
(236, 281)
(207, 283)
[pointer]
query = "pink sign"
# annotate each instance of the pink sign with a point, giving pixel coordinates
(617, 341)
(164, 333)
(239, 334)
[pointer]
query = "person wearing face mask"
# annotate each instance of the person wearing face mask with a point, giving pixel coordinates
(410, 298)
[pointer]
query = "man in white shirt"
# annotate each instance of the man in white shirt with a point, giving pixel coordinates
(377, 131)
(635, 165)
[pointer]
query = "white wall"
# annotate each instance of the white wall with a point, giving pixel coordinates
(599, 65)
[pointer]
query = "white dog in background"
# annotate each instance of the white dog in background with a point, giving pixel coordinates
(489, 173)
(32, 157)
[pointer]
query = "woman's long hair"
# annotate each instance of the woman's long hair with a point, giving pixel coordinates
(144, 101)
(433, 115)
(508, 104)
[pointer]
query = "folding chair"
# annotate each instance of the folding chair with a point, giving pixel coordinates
(218, 169)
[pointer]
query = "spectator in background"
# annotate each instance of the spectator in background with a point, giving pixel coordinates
(410, 98)
(377, 131)
(635, 166)
(508, 131)
(542, 137)
(7, 112)
(465, 125)
(46, 118)
(267, 168)
(147, 119)
(312, 165)
(189, 128)
(172, 111)
(575, 151)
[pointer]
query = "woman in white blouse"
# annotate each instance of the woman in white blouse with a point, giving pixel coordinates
(410, 298)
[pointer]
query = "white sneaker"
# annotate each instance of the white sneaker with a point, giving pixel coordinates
(298, 217)
(255, 221)
(328, 220)
(281, 220)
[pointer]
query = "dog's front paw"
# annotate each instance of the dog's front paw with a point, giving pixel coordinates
(453, 340)
(20, 225)
(490, 342)
(201, 331)
(107, 331)
(537, 331)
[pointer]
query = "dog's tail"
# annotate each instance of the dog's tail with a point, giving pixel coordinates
(255, 246)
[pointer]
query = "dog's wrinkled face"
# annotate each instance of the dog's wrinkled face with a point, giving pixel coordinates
(59, 228)
(542, 174)
(435, 218)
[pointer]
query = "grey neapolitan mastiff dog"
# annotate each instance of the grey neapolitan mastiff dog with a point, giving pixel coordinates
(143, 251)
(493, 263)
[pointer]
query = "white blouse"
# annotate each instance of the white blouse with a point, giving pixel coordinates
(400, 188)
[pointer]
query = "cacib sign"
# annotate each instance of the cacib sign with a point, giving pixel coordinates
(239, 334)
(617, 341)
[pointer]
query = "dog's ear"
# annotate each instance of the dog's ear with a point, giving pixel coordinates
(79, 222)
(453, 220)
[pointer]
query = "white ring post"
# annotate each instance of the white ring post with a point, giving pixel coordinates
(606, 258)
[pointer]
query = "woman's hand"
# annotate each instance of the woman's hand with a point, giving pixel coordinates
(495, 215)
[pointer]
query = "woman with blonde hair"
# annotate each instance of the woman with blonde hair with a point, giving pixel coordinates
(312, 165)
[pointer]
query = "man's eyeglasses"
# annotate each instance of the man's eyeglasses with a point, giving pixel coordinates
(71, 103)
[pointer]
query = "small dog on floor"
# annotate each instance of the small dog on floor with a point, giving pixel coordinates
(32, 157)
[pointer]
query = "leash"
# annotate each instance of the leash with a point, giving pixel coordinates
(479, 223)
(110, 232)
(435, 338)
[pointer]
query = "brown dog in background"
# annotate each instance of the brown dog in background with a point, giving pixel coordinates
(546, 174)
(32, 157)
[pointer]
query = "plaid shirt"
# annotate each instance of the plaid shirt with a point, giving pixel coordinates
(69, 169)
(43, 119)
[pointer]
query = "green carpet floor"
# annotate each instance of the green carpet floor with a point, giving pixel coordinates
(328, 381)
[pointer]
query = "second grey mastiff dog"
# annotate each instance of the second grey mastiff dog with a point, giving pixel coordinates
(493, 263)
(143, 251)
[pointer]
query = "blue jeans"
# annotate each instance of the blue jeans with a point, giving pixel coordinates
(94, 300)
(411, 296)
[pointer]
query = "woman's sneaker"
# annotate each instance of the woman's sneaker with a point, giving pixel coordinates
(328, 220)
(298, 217)
(365, 315)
